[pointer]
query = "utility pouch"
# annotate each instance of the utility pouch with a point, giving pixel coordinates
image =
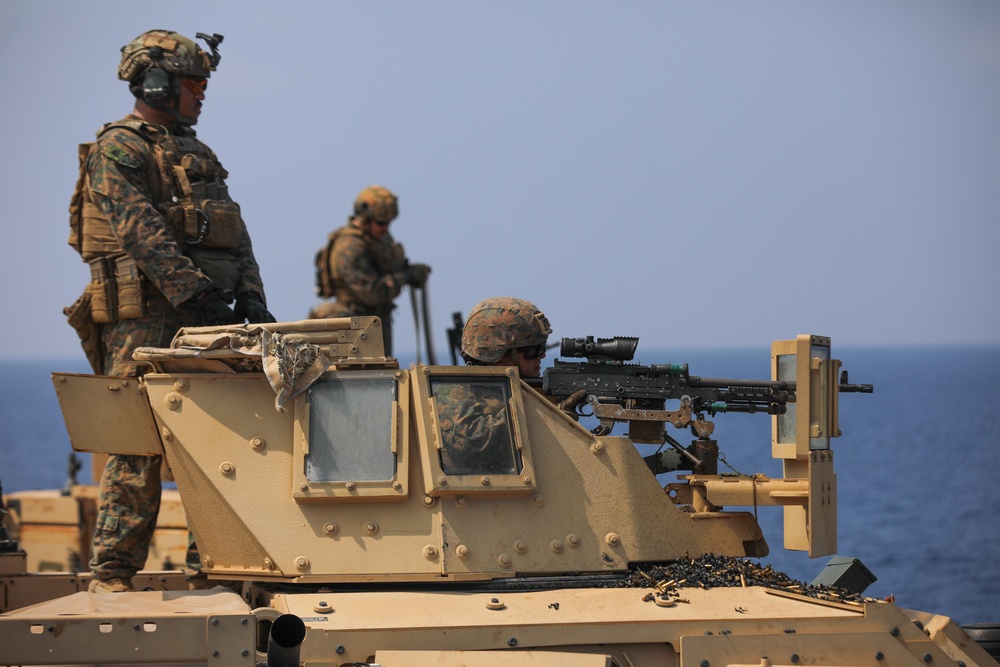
(80, 317)
(210, 222)
(102, 291)
(129, 279)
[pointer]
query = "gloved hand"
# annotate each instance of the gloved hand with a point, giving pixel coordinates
(209, 309)
(416, 274)
(251, 308)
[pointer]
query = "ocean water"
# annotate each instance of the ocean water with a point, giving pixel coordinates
(916, 466)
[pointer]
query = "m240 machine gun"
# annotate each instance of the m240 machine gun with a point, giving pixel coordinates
(648, 397)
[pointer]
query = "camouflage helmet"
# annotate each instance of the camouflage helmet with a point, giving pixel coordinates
(169, 51)
(376, 203)
(501, 323)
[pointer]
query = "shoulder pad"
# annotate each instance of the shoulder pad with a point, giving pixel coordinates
(122, 157)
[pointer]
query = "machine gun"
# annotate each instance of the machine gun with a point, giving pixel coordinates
(621, 392)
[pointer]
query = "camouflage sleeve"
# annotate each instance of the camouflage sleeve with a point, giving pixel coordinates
(249, 270)
(117, 171)
(356, 266)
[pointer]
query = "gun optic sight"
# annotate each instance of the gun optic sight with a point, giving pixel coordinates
(619, 348)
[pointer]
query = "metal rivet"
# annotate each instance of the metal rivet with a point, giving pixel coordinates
(795, 657)
(503, 560)
(537, 500)
(484, 480)
(340, 648)
(181, 385)
(556, 546)
(397, 486)
(257, 443)
(330, 529)
(462, 551)
(526, 480)
(597, 448)
(430, 552)
(302, 562)
(442, 480)
(894, 632)
(520, 547)
(371, 527)
(245, 653)
(879, 655)
(215, 621)
(268, 564)
(573, 540)
(349, 486)
(512, 641)
(227, 468)
(612, 539)
(428, 501)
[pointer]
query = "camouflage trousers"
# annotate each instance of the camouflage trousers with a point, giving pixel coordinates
(130, 485)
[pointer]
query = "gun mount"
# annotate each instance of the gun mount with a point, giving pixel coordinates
(439, 515)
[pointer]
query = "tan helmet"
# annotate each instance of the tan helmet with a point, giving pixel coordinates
(153, 62)
(169, 51)
(499, 324)
(376, 203)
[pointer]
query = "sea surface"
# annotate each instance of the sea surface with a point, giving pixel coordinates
(917, 465)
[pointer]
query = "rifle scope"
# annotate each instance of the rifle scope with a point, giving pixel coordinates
(619, 348)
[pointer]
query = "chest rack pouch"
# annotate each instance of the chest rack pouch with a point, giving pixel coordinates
(211, 223)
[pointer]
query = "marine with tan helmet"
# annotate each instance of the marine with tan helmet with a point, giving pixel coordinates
(362, 267)
(167, 248)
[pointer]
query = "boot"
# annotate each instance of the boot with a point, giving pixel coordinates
(112, 585)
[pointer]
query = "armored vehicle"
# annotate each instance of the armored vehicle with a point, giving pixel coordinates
(357, 513)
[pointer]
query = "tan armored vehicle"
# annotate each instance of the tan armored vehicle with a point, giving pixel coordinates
(356, 513)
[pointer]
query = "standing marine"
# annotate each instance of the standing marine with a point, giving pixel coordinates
(362, 267)
(167, 248)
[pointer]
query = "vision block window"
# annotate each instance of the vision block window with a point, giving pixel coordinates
(351, 428)
(475, 423)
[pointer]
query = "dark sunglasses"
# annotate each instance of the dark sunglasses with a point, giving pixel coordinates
(532, 352)
(194, 85)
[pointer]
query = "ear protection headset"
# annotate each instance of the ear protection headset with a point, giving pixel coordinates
(156, 87)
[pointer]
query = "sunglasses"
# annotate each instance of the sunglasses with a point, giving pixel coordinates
(195, 85)
(532, 352)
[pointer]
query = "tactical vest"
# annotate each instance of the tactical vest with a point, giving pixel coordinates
(187, 185)
(389, 258)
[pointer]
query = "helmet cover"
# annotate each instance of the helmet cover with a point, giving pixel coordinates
(377, 204)
(167, 50)
(500, 324)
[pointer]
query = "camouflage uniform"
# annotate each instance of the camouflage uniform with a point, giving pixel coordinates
(167, 248)
(475, 429)
(118, 185)
(369, 274)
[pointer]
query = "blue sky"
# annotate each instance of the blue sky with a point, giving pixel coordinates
(699, 174)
